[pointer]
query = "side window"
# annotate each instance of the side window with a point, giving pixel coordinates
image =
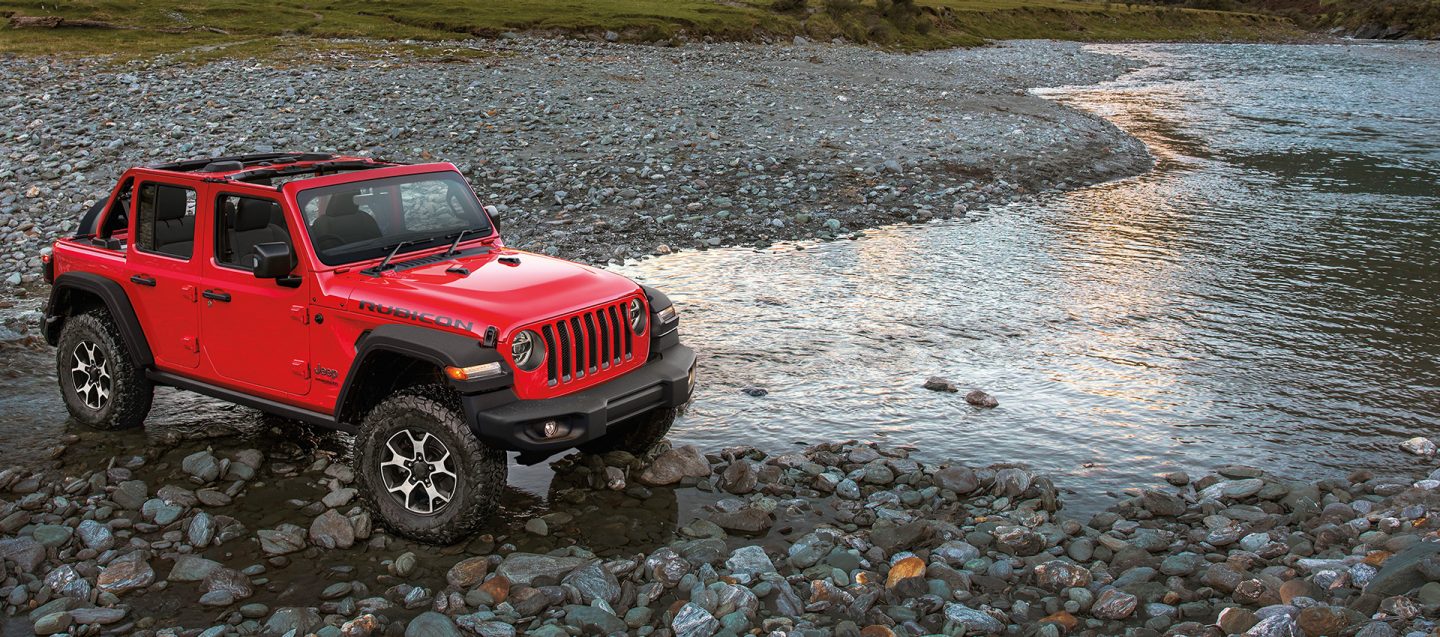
(243, 223)
(165, 220)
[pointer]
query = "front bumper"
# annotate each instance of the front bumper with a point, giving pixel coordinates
(501, 420)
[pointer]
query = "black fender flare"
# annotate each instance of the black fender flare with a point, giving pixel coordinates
(440, 348)
(662, 337)
(116, 301)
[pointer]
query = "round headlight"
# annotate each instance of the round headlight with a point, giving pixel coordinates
(636, 310)
(527, 350)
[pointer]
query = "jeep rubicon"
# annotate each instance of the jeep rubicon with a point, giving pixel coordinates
(371, 297)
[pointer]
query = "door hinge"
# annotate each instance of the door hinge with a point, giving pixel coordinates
(190, 343)
(302, 368)
(300, 313)
(188, 292)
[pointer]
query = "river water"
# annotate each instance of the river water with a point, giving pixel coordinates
(1267, 295)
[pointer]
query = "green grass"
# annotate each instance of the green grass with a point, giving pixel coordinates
(284, 29)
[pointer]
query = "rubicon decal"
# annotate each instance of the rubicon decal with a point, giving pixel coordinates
(419, 317)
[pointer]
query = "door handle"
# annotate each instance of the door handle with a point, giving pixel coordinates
(216, 296)
(140, 279)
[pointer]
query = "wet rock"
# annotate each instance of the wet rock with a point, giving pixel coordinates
(971, 621)
(1281, 625)
(1318, 621)
(468, 572)
(192, 568)
(1162, 504)
(961, 480)
(130, 494)
(739, 478)
(750, 561)
(233, 583)
(525, 568)
(1419, 446)
(300, 620)
(675, 465)
(1113, 603)
(98, 616)
(694, 621)
(126, 574)
(201, 530)
(1235, 620)
(332, 531)
(1057, 575)
(979, 398)
(936, 383)
(594, 582)
(64, 581)
(95, 535)
(282, 540)
(537, 526)
(431, 624)
(52, 624)
(907, 577)
(592, 619)
(1404, 571)
(202, 466)
(1018, 541)
(736, 516)
(476, 624)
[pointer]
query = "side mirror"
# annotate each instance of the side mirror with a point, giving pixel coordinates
(494, 214)
(271, 260)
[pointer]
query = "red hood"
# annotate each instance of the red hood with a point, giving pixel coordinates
(495, 292)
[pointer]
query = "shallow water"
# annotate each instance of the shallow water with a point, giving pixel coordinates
(1265, 296)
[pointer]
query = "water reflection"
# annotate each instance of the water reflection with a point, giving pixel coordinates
(1266, 295)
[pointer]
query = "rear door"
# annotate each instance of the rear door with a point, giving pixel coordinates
(163, 272)
(255, 330)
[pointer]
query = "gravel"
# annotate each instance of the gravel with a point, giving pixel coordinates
(595, 151)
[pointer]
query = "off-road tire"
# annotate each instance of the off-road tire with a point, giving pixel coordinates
(480, 470)
(128, 395)
(638, 435)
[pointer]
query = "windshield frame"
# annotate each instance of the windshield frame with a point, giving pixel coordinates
(304, 192)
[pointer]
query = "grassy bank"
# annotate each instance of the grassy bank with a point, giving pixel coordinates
(89, 27)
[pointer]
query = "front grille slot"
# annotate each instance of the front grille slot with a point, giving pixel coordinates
(587, 342)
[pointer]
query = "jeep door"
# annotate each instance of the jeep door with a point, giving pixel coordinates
(254, 330)
(163, 271)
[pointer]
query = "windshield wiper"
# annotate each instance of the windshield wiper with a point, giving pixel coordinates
(393, 251)
(458, 236)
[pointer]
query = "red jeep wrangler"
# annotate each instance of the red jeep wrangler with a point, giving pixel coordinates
(367, 296)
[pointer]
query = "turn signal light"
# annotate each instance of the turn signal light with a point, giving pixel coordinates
(473, 372)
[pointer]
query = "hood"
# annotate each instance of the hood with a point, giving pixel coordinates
(504, 288)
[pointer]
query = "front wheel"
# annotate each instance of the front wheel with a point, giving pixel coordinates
(638, 435)
(100, 384)
(423, 470)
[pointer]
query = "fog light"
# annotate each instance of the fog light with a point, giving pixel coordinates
(690, 379)
(550, 429)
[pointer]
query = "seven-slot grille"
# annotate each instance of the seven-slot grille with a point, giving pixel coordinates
(587, 343)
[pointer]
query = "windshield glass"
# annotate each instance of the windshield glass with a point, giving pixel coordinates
(366, 219)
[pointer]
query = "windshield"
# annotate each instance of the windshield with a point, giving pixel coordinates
(366, 219)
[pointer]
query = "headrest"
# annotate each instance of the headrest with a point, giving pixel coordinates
(170, 203)
(253, 214)
(342, 204)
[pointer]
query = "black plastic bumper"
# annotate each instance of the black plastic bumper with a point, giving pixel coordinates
(503, 421)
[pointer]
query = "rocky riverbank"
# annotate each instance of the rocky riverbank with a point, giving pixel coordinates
(173, 537)
(594, 151)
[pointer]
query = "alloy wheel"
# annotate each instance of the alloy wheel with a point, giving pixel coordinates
(418, 471)
(90, 372)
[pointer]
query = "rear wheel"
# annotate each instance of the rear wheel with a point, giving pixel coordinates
(423, 470)
(101, 385)
(638, 435)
